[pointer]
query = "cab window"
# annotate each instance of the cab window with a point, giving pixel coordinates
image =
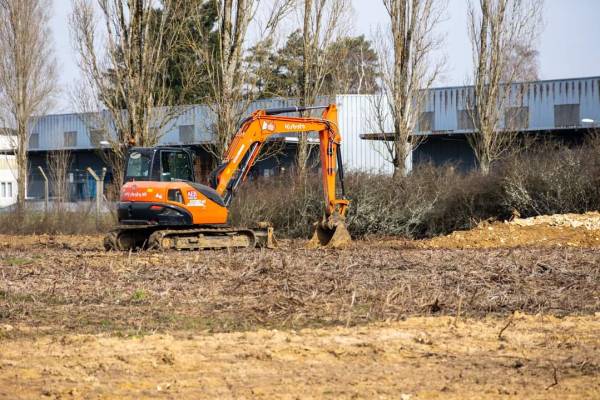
(138, 166)
(175, 165)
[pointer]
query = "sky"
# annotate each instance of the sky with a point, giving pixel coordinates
(568, 44)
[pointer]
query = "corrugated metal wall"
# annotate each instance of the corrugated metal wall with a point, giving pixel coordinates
(534, 101)
(538, 97)
(356, 117)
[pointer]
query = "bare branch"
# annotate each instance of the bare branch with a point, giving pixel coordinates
(27, 74)
(408, 71)
(124, 60)
(502, 34)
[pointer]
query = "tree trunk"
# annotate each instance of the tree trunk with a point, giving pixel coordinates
(22, 132)
(306, 92)
(399, 161)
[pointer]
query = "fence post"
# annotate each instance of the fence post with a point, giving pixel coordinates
(98, 194)
(46, 190)
(101, 191)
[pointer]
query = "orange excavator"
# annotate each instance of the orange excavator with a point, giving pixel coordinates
(162, 206)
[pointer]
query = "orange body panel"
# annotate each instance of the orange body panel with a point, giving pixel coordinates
(203, 210)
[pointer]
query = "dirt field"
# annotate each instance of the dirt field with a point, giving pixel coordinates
(471, 315)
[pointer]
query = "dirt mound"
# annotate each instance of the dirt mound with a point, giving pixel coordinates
(562, 230)
(589, 220)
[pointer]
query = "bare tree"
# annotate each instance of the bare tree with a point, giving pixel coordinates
(496, 27)
(523, 63)
(223, 52)
(124, 59)
(323, 21)
(27, 74)
(408, 71)
(58, 162)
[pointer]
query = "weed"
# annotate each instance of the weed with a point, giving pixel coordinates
(139, 295)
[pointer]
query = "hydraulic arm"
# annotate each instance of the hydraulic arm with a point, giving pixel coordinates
(262, 125)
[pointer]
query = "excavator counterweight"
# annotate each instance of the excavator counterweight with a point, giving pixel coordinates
(162, 206)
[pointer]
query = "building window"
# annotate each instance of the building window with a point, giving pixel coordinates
(465, 120)
(70, 139)
(566, 115)
(426, 121)
(97, 136)
(3, 191)
(516, 118)
(186, 133)
(34, 141)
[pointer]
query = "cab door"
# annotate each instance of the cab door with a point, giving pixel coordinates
(176, 165)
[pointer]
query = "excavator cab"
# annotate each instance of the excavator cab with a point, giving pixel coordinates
(160, 164)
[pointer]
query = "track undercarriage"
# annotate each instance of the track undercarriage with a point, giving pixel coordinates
(125, 238)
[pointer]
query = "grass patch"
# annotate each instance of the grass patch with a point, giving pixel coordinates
(17, 261)
(139, 295)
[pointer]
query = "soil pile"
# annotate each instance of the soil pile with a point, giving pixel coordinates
(562, 230)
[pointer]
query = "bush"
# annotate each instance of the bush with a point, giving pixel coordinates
(547, 179)
(79, 221)
(553, 179)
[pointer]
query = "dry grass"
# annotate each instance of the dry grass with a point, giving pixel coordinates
(68, 284)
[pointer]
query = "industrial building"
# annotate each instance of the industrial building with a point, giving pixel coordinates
(565, 109)
(8, 170)
(568, 107)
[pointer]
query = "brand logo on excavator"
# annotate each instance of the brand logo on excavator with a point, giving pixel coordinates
(268, 126)
(295, 127)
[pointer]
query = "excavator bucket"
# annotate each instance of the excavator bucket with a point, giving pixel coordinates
(331, 232)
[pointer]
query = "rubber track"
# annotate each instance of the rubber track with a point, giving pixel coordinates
(155, 239)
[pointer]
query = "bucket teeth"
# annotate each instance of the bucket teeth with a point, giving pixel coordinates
(330, 233)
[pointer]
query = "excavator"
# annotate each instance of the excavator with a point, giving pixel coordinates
(162, 206)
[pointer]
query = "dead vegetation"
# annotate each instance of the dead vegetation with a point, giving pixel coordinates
(68, 284)
(384, 318)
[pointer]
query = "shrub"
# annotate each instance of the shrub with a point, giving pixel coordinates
(81, 220)
(547, 179)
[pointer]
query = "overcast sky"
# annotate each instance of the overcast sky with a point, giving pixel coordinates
(568, 45)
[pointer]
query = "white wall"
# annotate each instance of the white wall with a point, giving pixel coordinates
(7, 142)
(8, 180)
(356, 116)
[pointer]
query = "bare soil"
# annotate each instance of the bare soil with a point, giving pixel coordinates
(420, 358)
(567, 230)
(486, 313)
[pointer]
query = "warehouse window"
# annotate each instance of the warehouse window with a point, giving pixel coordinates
(70, 139)
(34, 141)
(516, 118)
(566, 115)
(465, 120)
(97, 136)
(186, 133)
(3, 191)
(426, 121)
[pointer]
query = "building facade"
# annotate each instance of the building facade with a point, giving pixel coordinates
(553, 107)
(565, 109)
(8, 171)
